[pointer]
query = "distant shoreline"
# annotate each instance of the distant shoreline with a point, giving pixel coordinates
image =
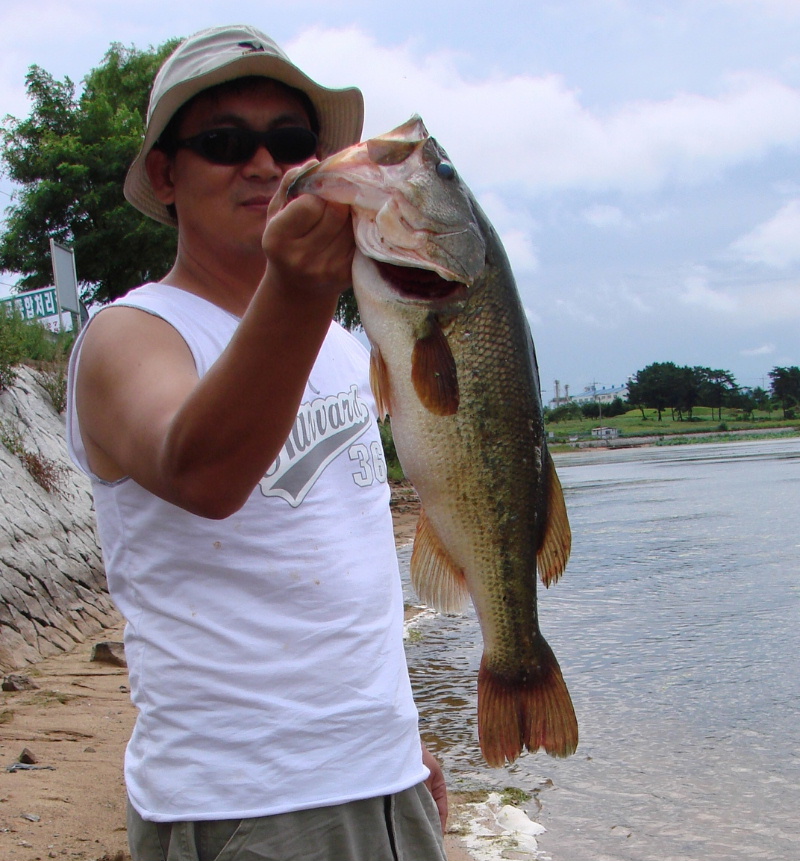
(675, 439)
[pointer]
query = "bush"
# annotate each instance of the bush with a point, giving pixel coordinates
(24, 341)
(45, 472)
(11, 346)
(52, 377)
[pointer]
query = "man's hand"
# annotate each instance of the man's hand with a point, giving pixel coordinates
(308, 242)
(436, 785)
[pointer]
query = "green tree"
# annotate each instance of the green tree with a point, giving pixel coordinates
(786, 388)
(717, 389)
(762, 399)
(617, 407)
(685, 383)
(745, 400)
(565, 412)
(656, 387)
(69, 159)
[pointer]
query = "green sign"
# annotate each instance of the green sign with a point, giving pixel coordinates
(31, 306)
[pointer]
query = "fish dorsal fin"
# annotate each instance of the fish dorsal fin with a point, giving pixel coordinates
(551, 559)
(433, 371)
(379, 383)
(388, 152)
(434, 575)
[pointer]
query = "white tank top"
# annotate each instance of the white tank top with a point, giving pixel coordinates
(265, 650)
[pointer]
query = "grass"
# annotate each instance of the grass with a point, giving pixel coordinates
(633, 424)
(514, 796)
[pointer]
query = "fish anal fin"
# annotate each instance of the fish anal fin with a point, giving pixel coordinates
(433, 371)
(554, 550)
(532, 714)
(435, 578)
(379, 383)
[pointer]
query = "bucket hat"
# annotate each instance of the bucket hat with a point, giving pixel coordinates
(221, 54)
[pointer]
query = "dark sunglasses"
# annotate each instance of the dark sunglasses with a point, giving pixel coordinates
(290, 145)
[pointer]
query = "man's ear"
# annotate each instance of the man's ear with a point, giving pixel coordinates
(159, 170)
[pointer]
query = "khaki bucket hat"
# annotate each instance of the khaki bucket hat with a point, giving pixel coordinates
(221, 54)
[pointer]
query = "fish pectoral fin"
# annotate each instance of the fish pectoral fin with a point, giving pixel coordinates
(528, 713)
(379, 383)
(435, 577)
(552, 556)
(433, 371)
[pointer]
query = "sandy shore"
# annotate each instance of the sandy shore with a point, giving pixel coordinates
(70, 803)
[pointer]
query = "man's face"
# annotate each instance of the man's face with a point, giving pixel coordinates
(228, 203)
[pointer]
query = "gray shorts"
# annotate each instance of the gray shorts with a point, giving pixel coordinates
(401, 827)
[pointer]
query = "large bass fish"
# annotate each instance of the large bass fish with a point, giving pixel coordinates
(453, 364)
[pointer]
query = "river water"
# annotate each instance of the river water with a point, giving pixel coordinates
(677, 627)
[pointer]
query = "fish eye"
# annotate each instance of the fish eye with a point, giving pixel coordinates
(445, 170)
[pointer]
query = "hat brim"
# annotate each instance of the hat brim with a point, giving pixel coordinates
(340, 113)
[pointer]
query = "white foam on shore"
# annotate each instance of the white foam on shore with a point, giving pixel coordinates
(493, 830)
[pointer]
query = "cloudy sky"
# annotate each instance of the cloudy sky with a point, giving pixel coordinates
(639, 157)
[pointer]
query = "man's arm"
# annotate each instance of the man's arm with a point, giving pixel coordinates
(203, 444)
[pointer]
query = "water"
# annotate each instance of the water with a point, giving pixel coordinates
(677, 626)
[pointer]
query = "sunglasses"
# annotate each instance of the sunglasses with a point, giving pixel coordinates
(290, 145)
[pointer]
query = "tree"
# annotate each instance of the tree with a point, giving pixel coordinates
(565, 412)
(655, 387)
(744, 400)
(617, 407)
(762, 399)
(786, 388)
(716, 388)
(69, 159)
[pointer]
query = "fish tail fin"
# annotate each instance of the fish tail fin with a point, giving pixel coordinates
(530, 714)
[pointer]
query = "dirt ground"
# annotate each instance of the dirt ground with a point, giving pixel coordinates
(69, 803)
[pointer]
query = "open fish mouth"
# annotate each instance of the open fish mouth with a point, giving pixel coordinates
(412, 282)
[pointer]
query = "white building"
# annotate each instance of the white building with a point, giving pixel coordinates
(605, 433)
(593, 394)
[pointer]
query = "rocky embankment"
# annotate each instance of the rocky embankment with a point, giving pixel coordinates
(52, 582)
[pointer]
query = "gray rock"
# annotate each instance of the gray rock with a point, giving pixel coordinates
(109, 653)
(16, 682)
(53, 592)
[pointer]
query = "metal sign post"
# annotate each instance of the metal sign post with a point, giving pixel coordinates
(66, 281)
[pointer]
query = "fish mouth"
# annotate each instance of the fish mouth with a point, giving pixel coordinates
(415, 283)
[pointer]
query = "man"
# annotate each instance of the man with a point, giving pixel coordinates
(241, 492)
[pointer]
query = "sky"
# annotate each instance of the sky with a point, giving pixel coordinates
(639, 159)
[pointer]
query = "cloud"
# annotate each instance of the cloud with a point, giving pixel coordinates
(747, 306)
(774, 243)
(763, 350)
(697, 293)
(516, 228)
(532, 131)
(603, 216)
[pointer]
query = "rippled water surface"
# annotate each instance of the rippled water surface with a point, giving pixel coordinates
(677, 626)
